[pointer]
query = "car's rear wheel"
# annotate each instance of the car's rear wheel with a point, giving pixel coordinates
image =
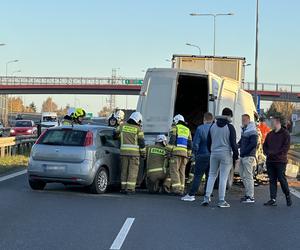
(37, 185)
(100, 183)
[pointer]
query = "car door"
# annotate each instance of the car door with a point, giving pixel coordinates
(110, 149)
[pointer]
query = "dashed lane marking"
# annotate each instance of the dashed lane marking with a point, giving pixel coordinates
(119, 240)
(13, 175)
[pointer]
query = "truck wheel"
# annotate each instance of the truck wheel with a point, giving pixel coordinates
(100, 183)
(37, 185)
(230, 179)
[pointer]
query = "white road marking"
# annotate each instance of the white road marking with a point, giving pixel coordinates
(9, 176)
(295, 192)
(119, 240)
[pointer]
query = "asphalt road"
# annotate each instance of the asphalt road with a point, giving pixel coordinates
(70, 218)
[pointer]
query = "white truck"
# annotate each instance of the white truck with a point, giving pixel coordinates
(170, 91)
(48, 120)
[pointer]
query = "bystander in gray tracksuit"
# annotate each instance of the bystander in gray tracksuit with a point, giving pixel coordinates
(221, 143)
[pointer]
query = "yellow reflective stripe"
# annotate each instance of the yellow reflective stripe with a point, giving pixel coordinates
(141, 133)
(131, 183)
(157, 151)
(154, 170)
(130, 149)
(180, 149)
(168, 179)
(123, 183)
(129, 129)
(129, 146)
(176, 184)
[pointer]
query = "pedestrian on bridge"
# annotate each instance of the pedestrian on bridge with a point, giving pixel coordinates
(276, 147)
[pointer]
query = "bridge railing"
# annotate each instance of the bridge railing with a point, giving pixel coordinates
(276, 87)
(26, 80)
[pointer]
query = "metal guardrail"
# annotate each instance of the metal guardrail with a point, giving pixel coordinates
(16, 145)
(276, 87)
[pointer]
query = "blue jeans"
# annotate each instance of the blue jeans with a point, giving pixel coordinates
(201, 168)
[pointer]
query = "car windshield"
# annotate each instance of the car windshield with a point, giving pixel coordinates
(23, 124)
(49, 119)
(64, 137)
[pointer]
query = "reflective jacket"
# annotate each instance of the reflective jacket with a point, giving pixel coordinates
(180, 140)
(157, 161)
(132, 139)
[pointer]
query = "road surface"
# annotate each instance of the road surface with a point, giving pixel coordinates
(70, 218)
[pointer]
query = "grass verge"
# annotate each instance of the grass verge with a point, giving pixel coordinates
(12, 163)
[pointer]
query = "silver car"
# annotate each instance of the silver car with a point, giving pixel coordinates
(86, 155)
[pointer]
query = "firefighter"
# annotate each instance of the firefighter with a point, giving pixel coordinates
(75, 118)
(116, 118)
(181, 149)
(131, 149)
(158, 178)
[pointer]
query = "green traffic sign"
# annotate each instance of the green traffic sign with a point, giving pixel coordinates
(132, 81)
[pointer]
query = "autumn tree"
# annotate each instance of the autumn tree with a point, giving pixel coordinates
(63, 111)
(105, 111)
(49, 105)
(15, 104)
(283, 108)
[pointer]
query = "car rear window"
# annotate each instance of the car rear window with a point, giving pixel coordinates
(64, 137)
(23, 124)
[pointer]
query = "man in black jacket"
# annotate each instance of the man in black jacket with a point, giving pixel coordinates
(248, 145)
(276, 147)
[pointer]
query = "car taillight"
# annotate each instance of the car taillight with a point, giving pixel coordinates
(41, 137)
(88, 139)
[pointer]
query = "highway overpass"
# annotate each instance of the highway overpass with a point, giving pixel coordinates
(122, 86)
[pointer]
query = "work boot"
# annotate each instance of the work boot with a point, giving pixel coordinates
(289, 200)
(130, 192)
(271, 202)
(123, 191)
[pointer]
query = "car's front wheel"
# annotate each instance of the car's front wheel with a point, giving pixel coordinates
(100, 183)
(37, 185)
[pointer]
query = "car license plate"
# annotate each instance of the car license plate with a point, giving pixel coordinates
(54, 168)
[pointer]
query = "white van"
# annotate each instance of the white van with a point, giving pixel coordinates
(167, 92)
(49, 119)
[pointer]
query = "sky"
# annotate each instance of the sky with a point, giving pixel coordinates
(90, 37)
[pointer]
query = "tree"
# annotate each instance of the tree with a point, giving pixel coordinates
(49, 105)
(15, 104)
(105, 111)
(283, 108)
(63, 111)
(32, 107)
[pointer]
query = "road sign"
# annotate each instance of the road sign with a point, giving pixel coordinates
(133, 81)
(89, 115)
(294, 117)
(258, 104)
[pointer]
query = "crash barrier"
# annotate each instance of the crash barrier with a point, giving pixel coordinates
(16, 145)
(293, 166)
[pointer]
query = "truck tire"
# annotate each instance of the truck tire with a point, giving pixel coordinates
(100, 183)
(37, 185)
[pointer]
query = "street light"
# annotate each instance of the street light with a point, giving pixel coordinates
(194, 45)
(6, 68)
(214, 16)
(256, 56)
(15, 72)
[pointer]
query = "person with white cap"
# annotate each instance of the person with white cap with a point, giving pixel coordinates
(132, 147)
(158, 177)
(181, 149)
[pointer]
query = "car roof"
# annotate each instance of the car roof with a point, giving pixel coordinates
(85, 127)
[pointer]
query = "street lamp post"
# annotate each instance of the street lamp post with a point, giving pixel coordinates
(256, 56)
(194, 45)
(214, 16)
(6, 66)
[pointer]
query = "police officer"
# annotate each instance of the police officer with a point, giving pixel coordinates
(158, 178)
(181, 145)
(74, 118)
(131, 149)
